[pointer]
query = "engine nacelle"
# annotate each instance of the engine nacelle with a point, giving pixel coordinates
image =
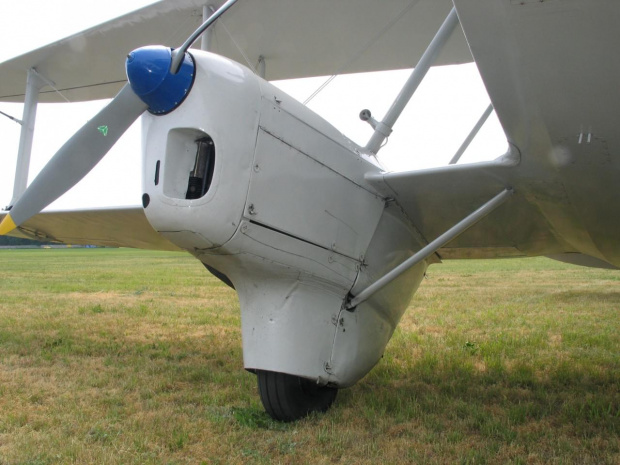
(222, 110)
(263, 190)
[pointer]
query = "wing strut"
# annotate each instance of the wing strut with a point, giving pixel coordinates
(384, 128)
(432, 247)
(206, 41)
(178, 54)
(34, 83)
(472, 135)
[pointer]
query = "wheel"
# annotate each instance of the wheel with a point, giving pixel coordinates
(289, 398)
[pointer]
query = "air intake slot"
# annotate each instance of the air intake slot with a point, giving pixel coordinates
(201, 175)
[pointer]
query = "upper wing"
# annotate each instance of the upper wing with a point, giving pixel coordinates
(297, 38)
(550, 71)
(116, 227)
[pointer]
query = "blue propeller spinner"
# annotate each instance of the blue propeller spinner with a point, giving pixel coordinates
(148, 71)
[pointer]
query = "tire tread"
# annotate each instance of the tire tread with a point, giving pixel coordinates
(289, 398)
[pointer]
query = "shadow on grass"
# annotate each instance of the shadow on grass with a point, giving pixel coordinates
(570, 297)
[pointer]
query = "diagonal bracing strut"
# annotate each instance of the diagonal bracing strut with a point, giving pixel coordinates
(384, 128)
(432, 247)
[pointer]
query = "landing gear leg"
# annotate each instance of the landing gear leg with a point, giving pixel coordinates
(289, 398)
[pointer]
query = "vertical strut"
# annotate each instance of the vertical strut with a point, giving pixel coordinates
(261, 66)
(206, 41)
(34, 83)
(384, 128)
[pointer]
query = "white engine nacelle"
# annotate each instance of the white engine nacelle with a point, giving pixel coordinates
(263, 190)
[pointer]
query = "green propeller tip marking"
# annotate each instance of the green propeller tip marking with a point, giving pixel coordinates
(103, 130)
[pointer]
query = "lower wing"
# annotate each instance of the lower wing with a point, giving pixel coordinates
(438, 198)
(114, 227)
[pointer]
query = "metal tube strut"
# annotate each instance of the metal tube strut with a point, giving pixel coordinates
(12, 118)
(432, 247)
(471, 135)
(384, 128)
(261, 66)
(178, 54)
(207, 38)
(34, 83)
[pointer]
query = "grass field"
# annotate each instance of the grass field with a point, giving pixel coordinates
(128, 357)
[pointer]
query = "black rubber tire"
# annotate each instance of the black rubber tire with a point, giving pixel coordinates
(289, 398)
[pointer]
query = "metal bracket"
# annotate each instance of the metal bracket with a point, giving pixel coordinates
(379, 126)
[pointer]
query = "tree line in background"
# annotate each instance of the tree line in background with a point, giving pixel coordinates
(18, 241)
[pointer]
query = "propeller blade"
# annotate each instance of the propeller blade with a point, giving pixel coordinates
(77, 157)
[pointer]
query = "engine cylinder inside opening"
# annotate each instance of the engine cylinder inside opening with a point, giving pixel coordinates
(189, 164)
(201, 175)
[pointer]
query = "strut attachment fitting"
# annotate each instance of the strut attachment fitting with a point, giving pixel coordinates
(432, 247)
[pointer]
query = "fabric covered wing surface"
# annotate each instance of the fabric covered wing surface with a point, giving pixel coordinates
(298, 38)
(115, 227)
(436, 199)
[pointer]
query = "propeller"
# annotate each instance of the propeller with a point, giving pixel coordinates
(159, 80)
(76, 157)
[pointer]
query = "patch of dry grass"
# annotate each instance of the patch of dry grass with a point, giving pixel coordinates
(122, 356)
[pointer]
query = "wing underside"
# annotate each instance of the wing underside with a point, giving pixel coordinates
(114, 227)
(322, 38)
(436, 199)
(530, 223)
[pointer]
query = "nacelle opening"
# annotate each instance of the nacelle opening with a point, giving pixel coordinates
(201, 175)
(190, 164)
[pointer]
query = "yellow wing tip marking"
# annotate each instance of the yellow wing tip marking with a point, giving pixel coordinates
(7, 225)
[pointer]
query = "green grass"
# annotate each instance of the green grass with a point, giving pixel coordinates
(120, 356)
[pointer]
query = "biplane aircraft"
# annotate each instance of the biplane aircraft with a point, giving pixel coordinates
(323, 246)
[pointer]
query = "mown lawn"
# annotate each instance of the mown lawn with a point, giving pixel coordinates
(114, 356)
